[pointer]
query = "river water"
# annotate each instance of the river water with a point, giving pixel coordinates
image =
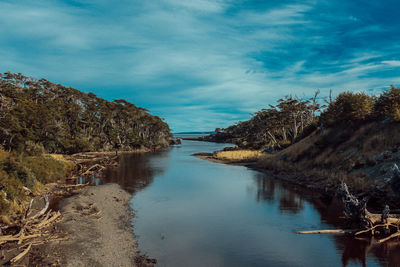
(192, 212)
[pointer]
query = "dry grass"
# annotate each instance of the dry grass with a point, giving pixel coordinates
(238, 155)
(18, 171)
(59, 157)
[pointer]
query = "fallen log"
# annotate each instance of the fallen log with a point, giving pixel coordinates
(373, 228)
(93, 169)
(389, 237)
(356, 212)
(329, 231)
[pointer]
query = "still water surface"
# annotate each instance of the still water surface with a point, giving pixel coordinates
(191, 212)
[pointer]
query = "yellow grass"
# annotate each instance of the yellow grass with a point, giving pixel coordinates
(238, 155)
(3, 155)
(59, 157)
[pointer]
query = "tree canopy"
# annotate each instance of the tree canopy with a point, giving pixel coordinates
(65, 120)
(292, 118)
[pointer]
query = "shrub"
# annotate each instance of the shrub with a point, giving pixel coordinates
(30, 171)
(46, 169)
(34, 149)
(388, 104)
(11, 188)
(349, 107)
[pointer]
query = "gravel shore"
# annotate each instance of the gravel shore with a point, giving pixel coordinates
(97, 225)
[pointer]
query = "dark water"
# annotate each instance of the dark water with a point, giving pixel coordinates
(191, 212)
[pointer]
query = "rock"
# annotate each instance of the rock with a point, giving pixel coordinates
(282, 157)
(269, 150)
(393, 178)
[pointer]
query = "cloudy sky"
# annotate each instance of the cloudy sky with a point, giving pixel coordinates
(202, 64)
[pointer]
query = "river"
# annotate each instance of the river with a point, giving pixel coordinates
(192, 212)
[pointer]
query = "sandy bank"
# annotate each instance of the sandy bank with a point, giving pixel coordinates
(96, 223)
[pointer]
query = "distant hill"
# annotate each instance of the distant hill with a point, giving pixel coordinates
(194, 133)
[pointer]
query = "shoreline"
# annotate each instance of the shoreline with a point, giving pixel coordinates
(97, 229)
(315, 185)
(303, 182)
(93, 227)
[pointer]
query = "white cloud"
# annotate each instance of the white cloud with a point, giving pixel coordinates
(393, 63)
(185, 60)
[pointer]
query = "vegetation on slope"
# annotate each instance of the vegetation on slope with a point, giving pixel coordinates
(275, 127)
(39, 117)
(64, 120)
(23, 175)
(353, 139)
(292, 119)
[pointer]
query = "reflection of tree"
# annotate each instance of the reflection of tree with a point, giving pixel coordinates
(290, 201)
(265, 189)
(357, 249)
(354, 250)
(136, 171)
(269, 190)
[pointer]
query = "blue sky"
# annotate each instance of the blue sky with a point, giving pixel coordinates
(203, 64)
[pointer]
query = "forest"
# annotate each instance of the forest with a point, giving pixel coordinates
(293, 118)
(38, 115)
(40, 119)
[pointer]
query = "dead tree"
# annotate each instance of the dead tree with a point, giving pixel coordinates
(367, 223)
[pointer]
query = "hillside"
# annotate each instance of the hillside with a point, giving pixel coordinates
(272, 128)
(38, 117)
(355, 139)
(37, 114)
(366, 157)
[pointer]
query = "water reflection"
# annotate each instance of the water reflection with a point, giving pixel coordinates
(265, 189)
(289, 201)
(358, 250)
(137, 170)
(354, 251)
(198, 213)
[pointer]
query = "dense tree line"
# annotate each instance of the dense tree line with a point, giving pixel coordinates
(40, 114)
(293, 118)
(276, 126)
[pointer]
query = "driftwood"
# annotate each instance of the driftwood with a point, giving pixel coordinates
(33, 230)
(21, 255)
(93, 169)
(329, 231)
(368, 223)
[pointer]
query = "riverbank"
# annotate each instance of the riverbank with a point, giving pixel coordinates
(323, 182)
(97, 227)
(91, 224)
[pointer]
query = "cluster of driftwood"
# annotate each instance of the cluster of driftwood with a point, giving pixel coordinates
(35, 228)
(363, 222)
(90, 163)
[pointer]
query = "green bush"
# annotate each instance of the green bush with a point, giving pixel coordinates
(46, 169)
(388, 104)
(12, 187)
(34, 149)
(349, 107)
(30, 171)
